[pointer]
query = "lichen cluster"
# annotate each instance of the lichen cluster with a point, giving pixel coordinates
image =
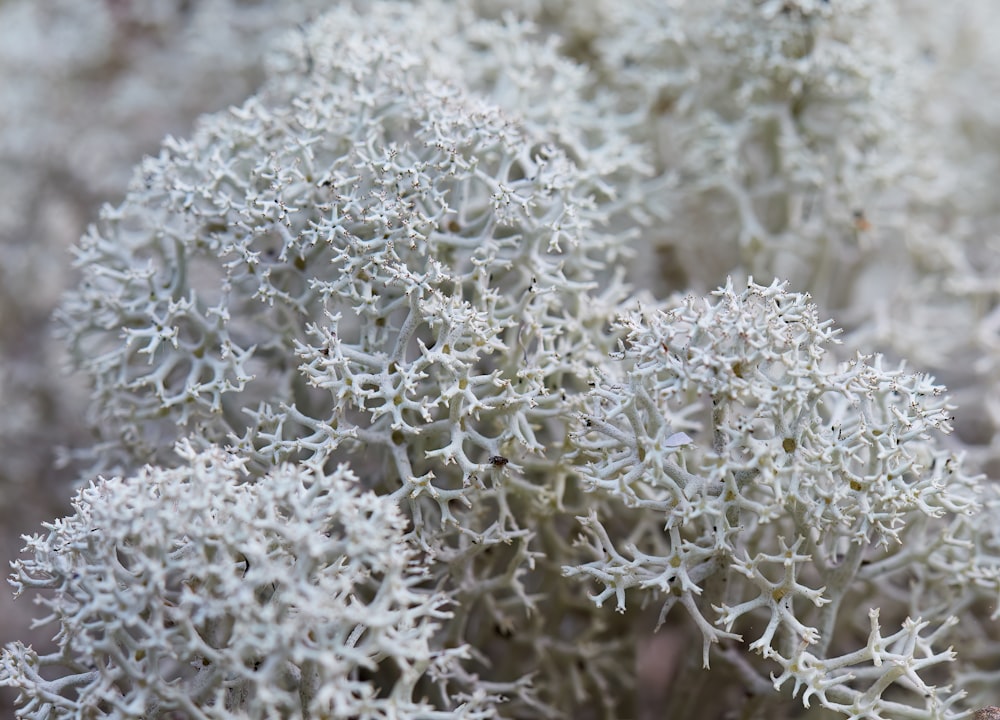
(413, 395)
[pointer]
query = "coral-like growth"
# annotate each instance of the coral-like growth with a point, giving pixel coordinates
(407, 252)
(375, 263)
(776, 476)
(193, 592)
(93, 85)
(429, 263)
(90, 86)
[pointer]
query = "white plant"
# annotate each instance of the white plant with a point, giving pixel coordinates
(785, 494)
(89, 87)
(370, 260)
(196, 592)
(407, 251)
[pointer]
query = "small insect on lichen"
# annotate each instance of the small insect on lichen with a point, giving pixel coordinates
(498, 460)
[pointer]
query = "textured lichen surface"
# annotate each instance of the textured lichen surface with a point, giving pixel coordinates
(475, 341)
